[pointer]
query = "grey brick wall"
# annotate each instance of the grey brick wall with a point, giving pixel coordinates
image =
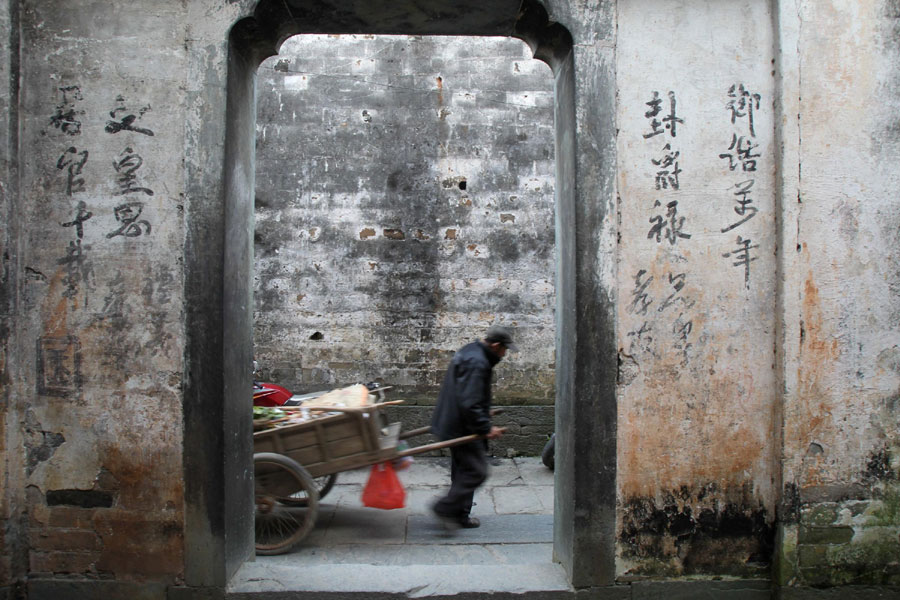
(404, 203)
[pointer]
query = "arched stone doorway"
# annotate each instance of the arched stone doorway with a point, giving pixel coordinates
(219, 506)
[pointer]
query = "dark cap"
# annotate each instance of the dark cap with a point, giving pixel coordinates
(500, 335)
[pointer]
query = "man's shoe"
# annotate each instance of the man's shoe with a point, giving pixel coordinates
(469, 523)
(448, 523)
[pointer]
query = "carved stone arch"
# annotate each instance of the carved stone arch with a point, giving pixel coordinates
(261, 34)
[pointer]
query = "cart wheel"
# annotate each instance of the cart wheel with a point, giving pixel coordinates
(280, 523)
(323, 485)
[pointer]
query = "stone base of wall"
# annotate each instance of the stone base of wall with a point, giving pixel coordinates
(192, 593)
(849, 542)
(528, 427)
(741, 589)
(847, 592)
(9, 592)
(57, 589)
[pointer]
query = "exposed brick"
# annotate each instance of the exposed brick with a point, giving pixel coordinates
(132, 544)
(813, 555)
(38, 514)
(63, 562)
(820, 515)
(815, 576)
(72, 517)
(72, 540)
(857, 508)
(825, 535)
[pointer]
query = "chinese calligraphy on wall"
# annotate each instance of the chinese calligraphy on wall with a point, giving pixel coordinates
(742, 154)
(73, 163)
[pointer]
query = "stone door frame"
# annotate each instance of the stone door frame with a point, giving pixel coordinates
(219, 270)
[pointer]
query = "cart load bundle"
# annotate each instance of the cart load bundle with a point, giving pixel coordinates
(316, 406)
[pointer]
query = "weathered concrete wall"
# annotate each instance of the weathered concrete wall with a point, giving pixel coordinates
(404, 202)
(842, 375)
(99, 338)
(757, 320)
(696, 275)
(10, 461)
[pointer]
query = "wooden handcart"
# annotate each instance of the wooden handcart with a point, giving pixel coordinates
(295, 465)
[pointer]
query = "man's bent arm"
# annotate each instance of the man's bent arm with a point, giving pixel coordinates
(474, 402)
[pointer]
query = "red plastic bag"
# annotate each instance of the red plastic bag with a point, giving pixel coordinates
(383, 489)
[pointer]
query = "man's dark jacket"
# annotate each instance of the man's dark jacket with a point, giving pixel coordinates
(464, 404)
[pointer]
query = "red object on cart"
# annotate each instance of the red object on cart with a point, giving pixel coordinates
(269, 394)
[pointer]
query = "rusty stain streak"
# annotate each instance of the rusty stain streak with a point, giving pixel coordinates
(728, 442)
(819, 354)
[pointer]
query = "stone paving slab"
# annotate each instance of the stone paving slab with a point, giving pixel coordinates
(418, 499)
(533, 471)
(503, 472)
(413, 581)
(516, 500)
(356, 476)
(435, 472)
(496, 529)
(426, 472)
(416, 554)
(361, 552)
(352, 525)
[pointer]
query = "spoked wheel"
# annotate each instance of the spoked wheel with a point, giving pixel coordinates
(280, 521)
(323, 485)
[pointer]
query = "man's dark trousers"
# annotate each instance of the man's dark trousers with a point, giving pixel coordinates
(468, 470)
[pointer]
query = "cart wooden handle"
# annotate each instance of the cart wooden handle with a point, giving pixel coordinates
(405, 435)
(445, 444)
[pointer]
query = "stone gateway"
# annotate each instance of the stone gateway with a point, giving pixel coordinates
(723, 268)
